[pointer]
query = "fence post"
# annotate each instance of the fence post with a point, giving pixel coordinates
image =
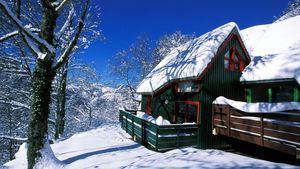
(143, 133)
(126, 117)
(156, 143)
(132, 127)
(177, 133)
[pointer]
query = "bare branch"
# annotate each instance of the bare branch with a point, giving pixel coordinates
(61, 6)
(27, 31)
(13, 138)
(65, 55)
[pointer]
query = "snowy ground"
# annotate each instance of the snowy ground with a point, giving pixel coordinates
(110, 147)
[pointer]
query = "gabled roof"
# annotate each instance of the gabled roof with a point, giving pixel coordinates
(187, 61)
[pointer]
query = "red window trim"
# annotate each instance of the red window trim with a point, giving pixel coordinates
(189, 102)
(232, 62)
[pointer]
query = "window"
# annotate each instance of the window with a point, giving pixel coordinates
(282, 94)
(233, 60)
(188, 86)
(296, 94)
(187, 112)
(248, 95)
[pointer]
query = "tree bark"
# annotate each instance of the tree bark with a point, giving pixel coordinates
(60, 114)
(38, 126)
(43, 76)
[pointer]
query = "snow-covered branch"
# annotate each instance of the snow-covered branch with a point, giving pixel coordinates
(67, 23)
(65, 55)
(16, 103)
(9, 35)
(13, 138)
(27, 31)
(61, 6)
(15, 33)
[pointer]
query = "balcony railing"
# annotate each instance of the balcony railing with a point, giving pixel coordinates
(156, 137)
(279, 131)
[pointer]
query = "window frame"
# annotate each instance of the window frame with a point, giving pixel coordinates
(232, 62)
(189, 102)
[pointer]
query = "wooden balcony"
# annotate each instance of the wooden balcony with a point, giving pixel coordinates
(279, 131)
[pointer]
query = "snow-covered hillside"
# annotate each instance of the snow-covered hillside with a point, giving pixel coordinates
(110, 147)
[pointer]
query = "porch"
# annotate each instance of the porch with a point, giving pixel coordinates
(279, 131)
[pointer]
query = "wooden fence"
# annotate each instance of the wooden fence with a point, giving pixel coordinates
(159, 138)
(279, 131)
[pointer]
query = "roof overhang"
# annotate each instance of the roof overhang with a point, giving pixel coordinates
(270, 82)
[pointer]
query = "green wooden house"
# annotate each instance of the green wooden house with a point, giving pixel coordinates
(182, 87)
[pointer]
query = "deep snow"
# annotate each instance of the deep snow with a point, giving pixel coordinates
(110, 147)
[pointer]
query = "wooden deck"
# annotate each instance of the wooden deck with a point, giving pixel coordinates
(279, 131)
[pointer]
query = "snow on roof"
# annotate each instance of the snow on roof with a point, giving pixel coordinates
(273, 38)
(277, 66)
(186, 61)
(262, 107)
(275, 49)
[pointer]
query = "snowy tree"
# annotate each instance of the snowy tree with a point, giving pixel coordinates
(134, 64)
(43, 28)
(166, 43)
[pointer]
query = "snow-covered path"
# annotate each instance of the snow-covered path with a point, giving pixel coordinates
(110, 147)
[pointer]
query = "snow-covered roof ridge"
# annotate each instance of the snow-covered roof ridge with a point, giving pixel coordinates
(260, 107)
(188, 60)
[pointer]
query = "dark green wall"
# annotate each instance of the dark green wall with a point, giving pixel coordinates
(260, 91)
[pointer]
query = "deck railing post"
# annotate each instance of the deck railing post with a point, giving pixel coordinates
(177, 134)
(156, 141)
(227, 111)
(126, 122)
(261, 131)
(132, 126)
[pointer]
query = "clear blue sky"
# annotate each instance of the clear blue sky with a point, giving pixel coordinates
(123, 20)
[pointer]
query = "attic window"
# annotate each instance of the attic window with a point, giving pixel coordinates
(233, 61)
(188, 86)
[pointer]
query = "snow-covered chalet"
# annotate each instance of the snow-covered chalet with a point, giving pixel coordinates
(184, 85)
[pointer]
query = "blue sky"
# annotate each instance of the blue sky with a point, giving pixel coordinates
(123, 20)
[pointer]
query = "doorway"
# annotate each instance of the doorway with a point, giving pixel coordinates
(186, 112)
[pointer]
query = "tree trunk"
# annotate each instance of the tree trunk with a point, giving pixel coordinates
(38, 126)
(60, 114)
